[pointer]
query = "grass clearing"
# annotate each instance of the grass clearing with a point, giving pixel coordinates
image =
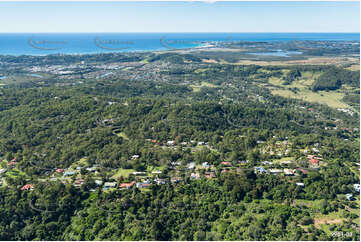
(277, 161)
(332, 99)
(123, 172)
(123, 135)
(197, 88)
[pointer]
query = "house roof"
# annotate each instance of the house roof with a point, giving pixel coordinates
(27, 187)
(109, 184)
(126, 185)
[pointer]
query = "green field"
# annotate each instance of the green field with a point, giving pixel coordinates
(330, 98)
(197, 88)
(123, 172)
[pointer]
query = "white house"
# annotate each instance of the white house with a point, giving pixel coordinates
(356, 187)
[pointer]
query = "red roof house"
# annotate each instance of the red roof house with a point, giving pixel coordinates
(302, 170)
(127, 185)
(226, 163)
(27, 187)
(313, 162)
(12, 163)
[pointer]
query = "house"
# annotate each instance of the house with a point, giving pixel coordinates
(266, 162)
(349, 196)
(78, 182)
(242, 162)
(69, 173)
(91, 169)
(289, 172)
(98, 182)
(259, 169)
(139, 173)
(313, 162)
(301, 184)
(27, 187)
(191, 165)
(195, 176)
(170, 142)
(356, 187)
(205, 165)
(315, 150)
(160, 181)
(176, 179)
(13, 160)
(200, 143)
(275, 171)
(108, 185)
(226, 163)
(143, 185)
(11, 164)
(156, 172)
(59, 170)
(135, 157)
(210, 175)
(126, 185)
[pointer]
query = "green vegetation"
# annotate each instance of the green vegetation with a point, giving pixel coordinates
(170, 148)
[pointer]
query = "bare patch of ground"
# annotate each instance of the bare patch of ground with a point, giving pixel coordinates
(319, 221)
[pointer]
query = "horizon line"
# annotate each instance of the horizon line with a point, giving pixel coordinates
(180, 32)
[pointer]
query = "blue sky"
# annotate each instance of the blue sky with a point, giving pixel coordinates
(179, 17)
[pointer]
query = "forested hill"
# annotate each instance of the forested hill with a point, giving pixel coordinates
(161, 150)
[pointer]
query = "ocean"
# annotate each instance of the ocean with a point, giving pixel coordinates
(89, 43)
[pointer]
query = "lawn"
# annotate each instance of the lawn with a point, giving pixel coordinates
(155, 168)
(82, 162)
(123, 135)
(284, 159)
(15, 173)
(123, 172)
(197, 88)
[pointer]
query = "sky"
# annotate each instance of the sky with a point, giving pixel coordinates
(43, 17)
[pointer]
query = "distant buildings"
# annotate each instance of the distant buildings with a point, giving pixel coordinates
(260, 170)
